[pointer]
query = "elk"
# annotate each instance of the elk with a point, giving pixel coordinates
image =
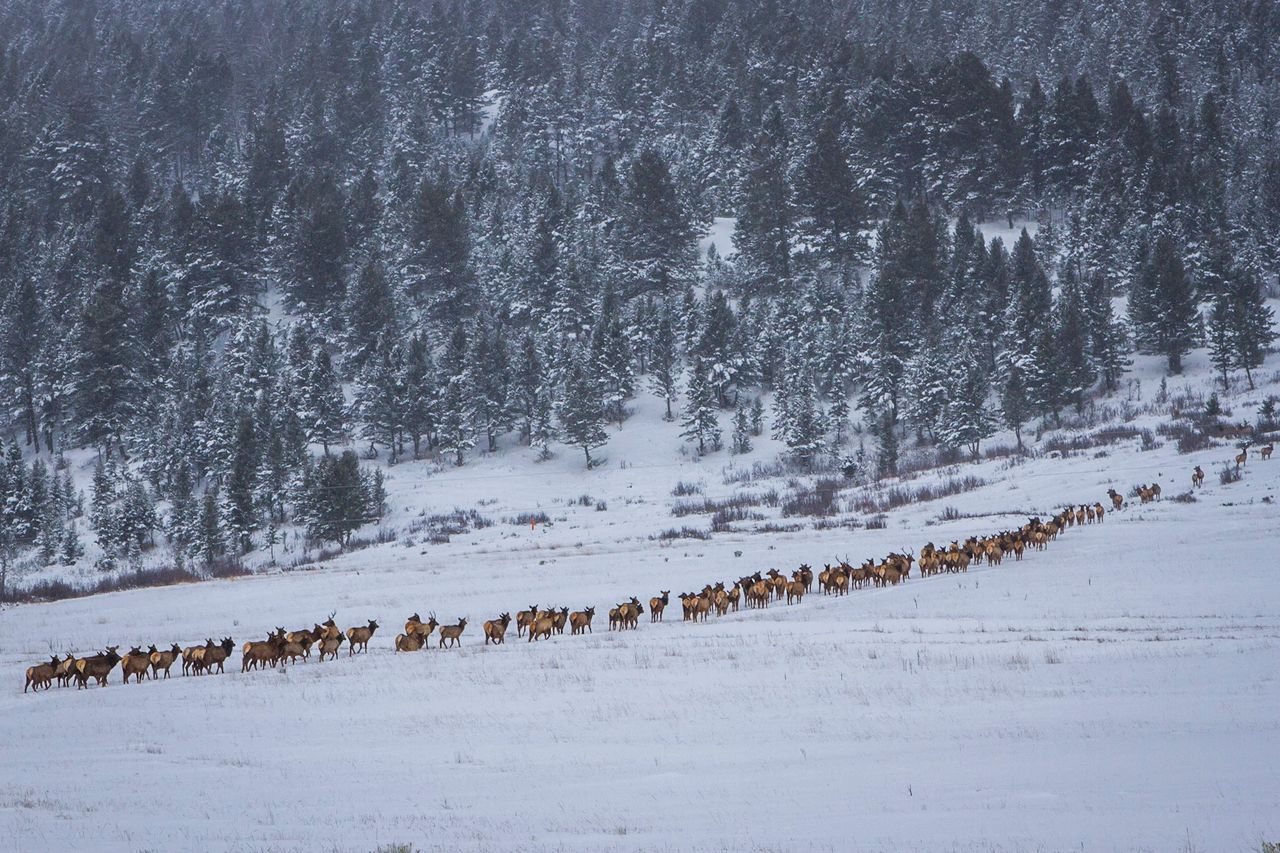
(1117, 499)
(1098, 509)
(559, 619)
(524, 619)
(495, 630)
(163, 660)
(734, 595)
(1265, 450)
(1242, 457)
(629, 614)
(304, 639)
(580, 620)
(258, 653)
(657, 604)
(360, 637)
(795, 590)
(329, 646)
(291, 650)
(1197, 477)
(542, 626)
(216, 654)
(410, 642)
(452, 634)
(65, 670)
(701, 607)
(414, 625)
(192, 656)
(41, 675)
(806, 577)
(97, 667)
(329, 630)
(135, 663)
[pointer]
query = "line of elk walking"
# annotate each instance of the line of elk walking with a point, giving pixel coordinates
(754, 591)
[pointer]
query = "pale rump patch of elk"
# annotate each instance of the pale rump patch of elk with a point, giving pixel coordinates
(580, 620)
(452, 634)
(495, 630)
(359, 637)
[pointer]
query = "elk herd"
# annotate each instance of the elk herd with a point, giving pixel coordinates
(754, 591)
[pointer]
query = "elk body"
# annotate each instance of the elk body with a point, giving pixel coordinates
(163, 660)
(1243, 456)
(542, 626)
(257, 654)
(329, 647)
(580, 621)
(97, 667)
(360, 636)
(495, 630)
(41, 675)
(452, 634)
(524, 619)
(65, 670)
(1265, 450)
(1197, 477)
(658, 604)
(135, 663)
(410, 642)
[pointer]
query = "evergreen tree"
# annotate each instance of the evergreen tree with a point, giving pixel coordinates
(700, 420)
(337, 499)
(741, 429)
(324, 408)
(1162, 303)
(581, 410)
(210, 541)
(240, 511)
(1075, 370)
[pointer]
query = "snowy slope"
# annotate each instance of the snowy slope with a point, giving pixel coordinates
(1114, 693)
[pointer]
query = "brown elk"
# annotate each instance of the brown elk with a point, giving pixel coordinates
(1117, 499)
(163, 660)
(135, 663)
(452, 634)
(258, 653)
(559, 619)
(735, 596)
(580, 620)
(657, 604)
(41, 675)
(305, 638)
(329, 630)
(524, 619)
(65, 670)
(1265, 450)
(411, 642)
(701, 606)
(495, 630)
(360, 636)
(97, 667)
(795, 591)
(806, 577)
(415, 625)
(1100, 511)
(629, 614)
(192, 656)
(291, 650)
(1197, 477)
(1242, 457)
(329, 647)
(216, 654)
(542, 626)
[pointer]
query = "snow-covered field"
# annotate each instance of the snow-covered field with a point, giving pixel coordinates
(1117, 692)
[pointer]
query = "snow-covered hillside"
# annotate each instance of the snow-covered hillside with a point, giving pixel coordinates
(1116, 692)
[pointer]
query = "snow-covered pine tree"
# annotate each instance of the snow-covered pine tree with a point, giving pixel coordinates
(581, 408)
(1162, 303)
(700, 416)
(662, 359)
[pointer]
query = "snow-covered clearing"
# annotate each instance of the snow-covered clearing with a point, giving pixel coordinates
(1117, 692)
